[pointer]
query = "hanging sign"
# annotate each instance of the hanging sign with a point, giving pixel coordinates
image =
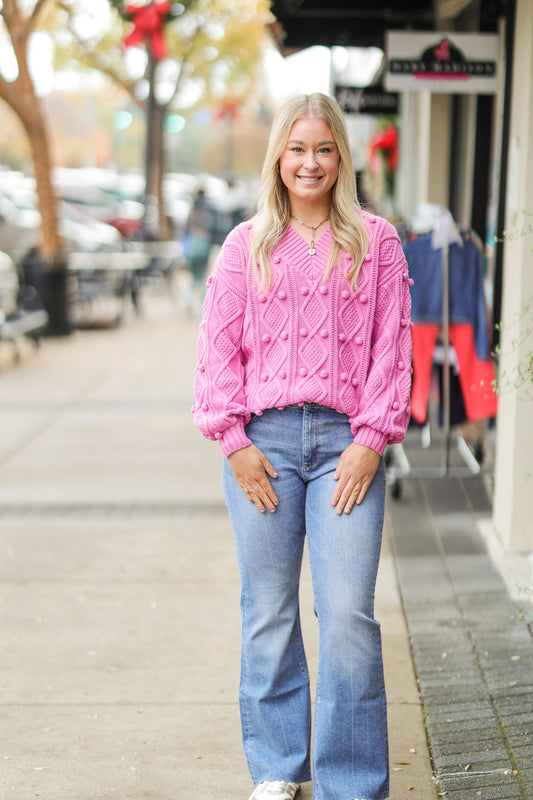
(366, 100)
(446, 63)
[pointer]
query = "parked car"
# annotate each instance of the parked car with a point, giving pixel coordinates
(9, 286)
(21, 313)
(82, 232)
(20, 229)
(103, 195)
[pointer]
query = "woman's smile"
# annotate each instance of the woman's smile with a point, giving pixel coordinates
(309, 165)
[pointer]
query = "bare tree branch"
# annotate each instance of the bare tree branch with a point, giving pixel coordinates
(95, 60)
(15, 21)
(38, 7)
(21, 97)
(12, 17)
(184, 60)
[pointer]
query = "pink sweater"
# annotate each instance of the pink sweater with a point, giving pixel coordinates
(306, 339)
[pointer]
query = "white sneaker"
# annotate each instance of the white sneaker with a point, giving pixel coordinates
(281, 790)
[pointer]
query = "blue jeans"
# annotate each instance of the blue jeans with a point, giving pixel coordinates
(350, 747)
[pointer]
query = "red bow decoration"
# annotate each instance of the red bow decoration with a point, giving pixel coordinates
(228, 108)
(387, 142)
(149, 22)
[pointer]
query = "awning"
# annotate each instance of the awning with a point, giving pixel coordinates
(363, 23)
(346, 23)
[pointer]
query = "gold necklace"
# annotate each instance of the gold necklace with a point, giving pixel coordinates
(312, 228)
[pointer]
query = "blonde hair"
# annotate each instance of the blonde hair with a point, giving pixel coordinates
(274, 211)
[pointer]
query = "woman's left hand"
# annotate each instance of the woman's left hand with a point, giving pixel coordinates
(355, 471)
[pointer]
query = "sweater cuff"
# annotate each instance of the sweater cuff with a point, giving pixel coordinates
(369, 437)
(234, 438)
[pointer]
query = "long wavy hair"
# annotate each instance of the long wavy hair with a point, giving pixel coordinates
(274, 212)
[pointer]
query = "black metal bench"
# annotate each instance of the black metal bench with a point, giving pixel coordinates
(23, 324)
(109, 275)
(120, 274)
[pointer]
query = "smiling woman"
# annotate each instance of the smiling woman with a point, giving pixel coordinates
(275, 202)
(309, 167)
(302, 377)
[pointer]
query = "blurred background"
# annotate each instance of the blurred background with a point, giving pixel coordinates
(133, 135)
(115, 116)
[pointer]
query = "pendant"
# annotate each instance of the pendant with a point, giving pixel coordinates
(312, 251)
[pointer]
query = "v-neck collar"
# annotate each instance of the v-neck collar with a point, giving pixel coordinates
(295, 250)
(299, 235)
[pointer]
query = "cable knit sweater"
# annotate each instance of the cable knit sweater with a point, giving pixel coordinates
(306, 339)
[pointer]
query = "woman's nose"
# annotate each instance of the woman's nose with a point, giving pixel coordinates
(310, 159)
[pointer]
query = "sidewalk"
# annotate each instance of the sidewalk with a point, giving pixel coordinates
(120, 621)
(472, 643)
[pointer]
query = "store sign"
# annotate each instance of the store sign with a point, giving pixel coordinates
(449, 63)
(367, 100)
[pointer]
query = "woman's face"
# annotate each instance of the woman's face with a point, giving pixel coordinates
(309, 165)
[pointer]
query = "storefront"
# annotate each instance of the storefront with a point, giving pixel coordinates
(465, 136)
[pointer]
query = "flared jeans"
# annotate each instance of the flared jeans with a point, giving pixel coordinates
(350, 747)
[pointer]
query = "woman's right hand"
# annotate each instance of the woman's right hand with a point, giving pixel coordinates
(251, 469)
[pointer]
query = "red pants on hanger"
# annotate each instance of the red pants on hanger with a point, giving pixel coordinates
(476, 377)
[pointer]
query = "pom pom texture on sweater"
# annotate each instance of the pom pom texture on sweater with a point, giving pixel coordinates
(306, 339)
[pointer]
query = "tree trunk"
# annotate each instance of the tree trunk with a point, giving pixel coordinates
(155, 219)
(53, 279)
(164, 223)
(20, 96)
(37, 133)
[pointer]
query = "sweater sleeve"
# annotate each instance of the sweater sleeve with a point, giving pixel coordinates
(220, 412)
(384, 410)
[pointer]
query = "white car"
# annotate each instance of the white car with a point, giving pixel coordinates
(9, 286)
(20, 230)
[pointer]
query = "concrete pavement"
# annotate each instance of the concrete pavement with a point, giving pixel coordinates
(119, 639)
(119, 632)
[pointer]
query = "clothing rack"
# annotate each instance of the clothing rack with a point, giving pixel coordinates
(444, 233)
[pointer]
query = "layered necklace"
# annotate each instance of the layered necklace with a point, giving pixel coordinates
(312, 228)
